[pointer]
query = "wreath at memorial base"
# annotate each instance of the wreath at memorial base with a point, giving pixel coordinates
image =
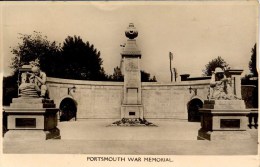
(132, 122)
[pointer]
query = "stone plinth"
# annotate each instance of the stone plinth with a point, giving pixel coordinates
(224, 104)
(223, 135)
(132, 111)
(223, 120)
(253, 118)
(32, 119)
(32, 103)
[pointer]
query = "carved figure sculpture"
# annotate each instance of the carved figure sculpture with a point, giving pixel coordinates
(39, 79)
(33, 84)
(220, 86)
(26, 88)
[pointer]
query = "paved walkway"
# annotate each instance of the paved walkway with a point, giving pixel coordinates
(171, 137)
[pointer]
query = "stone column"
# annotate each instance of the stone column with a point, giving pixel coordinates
(131, 55)
(236, 81)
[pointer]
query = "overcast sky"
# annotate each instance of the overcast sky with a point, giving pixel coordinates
(195, 32)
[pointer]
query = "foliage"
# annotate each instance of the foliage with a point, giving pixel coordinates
(250, 83)
(252, 63)
(80, 60)
(250, 94)
(35, 46)
(217, 62)
(145, 77)
(117, 75)
(75, 59)
(10, 88)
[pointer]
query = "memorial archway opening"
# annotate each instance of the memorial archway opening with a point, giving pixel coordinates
(68, 109)
(193, 110)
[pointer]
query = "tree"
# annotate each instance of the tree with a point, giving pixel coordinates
(10, 88)
(217, 62)
(252, 63)
(75, 60)
(250, 92)
(32, 47)
(117, 75)
(36, 46)
(145, 77)
(80, 60)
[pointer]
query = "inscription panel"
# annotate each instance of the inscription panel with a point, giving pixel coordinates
(132, 95)
(25, 122)
(132, 79)
(131, 64)
(131, 113)
(229, 123)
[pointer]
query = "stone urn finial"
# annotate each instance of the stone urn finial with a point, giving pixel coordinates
(131, 31)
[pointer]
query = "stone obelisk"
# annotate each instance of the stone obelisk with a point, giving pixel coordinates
(132, 103)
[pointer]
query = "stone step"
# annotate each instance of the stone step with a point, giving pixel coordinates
(32, 135)
(30, 105)
(214, 106)
(224, 104)
(28, 96)
(47, 101)
(31, 100)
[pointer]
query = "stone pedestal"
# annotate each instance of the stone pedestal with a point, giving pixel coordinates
(132, 111)
(131, 55)
(132, 102)
(31, 119)
(223, 120)
(253, 118)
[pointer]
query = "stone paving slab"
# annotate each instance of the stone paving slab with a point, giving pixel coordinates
(171, 137)
(99, 130)
(154, 147)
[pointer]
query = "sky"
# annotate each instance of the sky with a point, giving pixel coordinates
(196, 32)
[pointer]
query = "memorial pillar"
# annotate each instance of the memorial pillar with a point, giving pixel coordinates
(131, 55)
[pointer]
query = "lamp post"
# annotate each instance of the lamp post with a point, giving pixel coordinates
(72, 88)
(193, 89)
(175, 73)
(171, 58)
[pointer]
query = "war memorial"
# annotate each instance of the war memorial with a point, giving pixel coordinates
(140, 111)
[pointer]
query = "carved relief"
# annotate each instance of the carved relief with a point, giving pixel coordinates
(131, 65)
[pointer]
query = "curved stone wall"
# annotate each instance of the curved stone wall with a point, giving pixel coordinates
(100, 99)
